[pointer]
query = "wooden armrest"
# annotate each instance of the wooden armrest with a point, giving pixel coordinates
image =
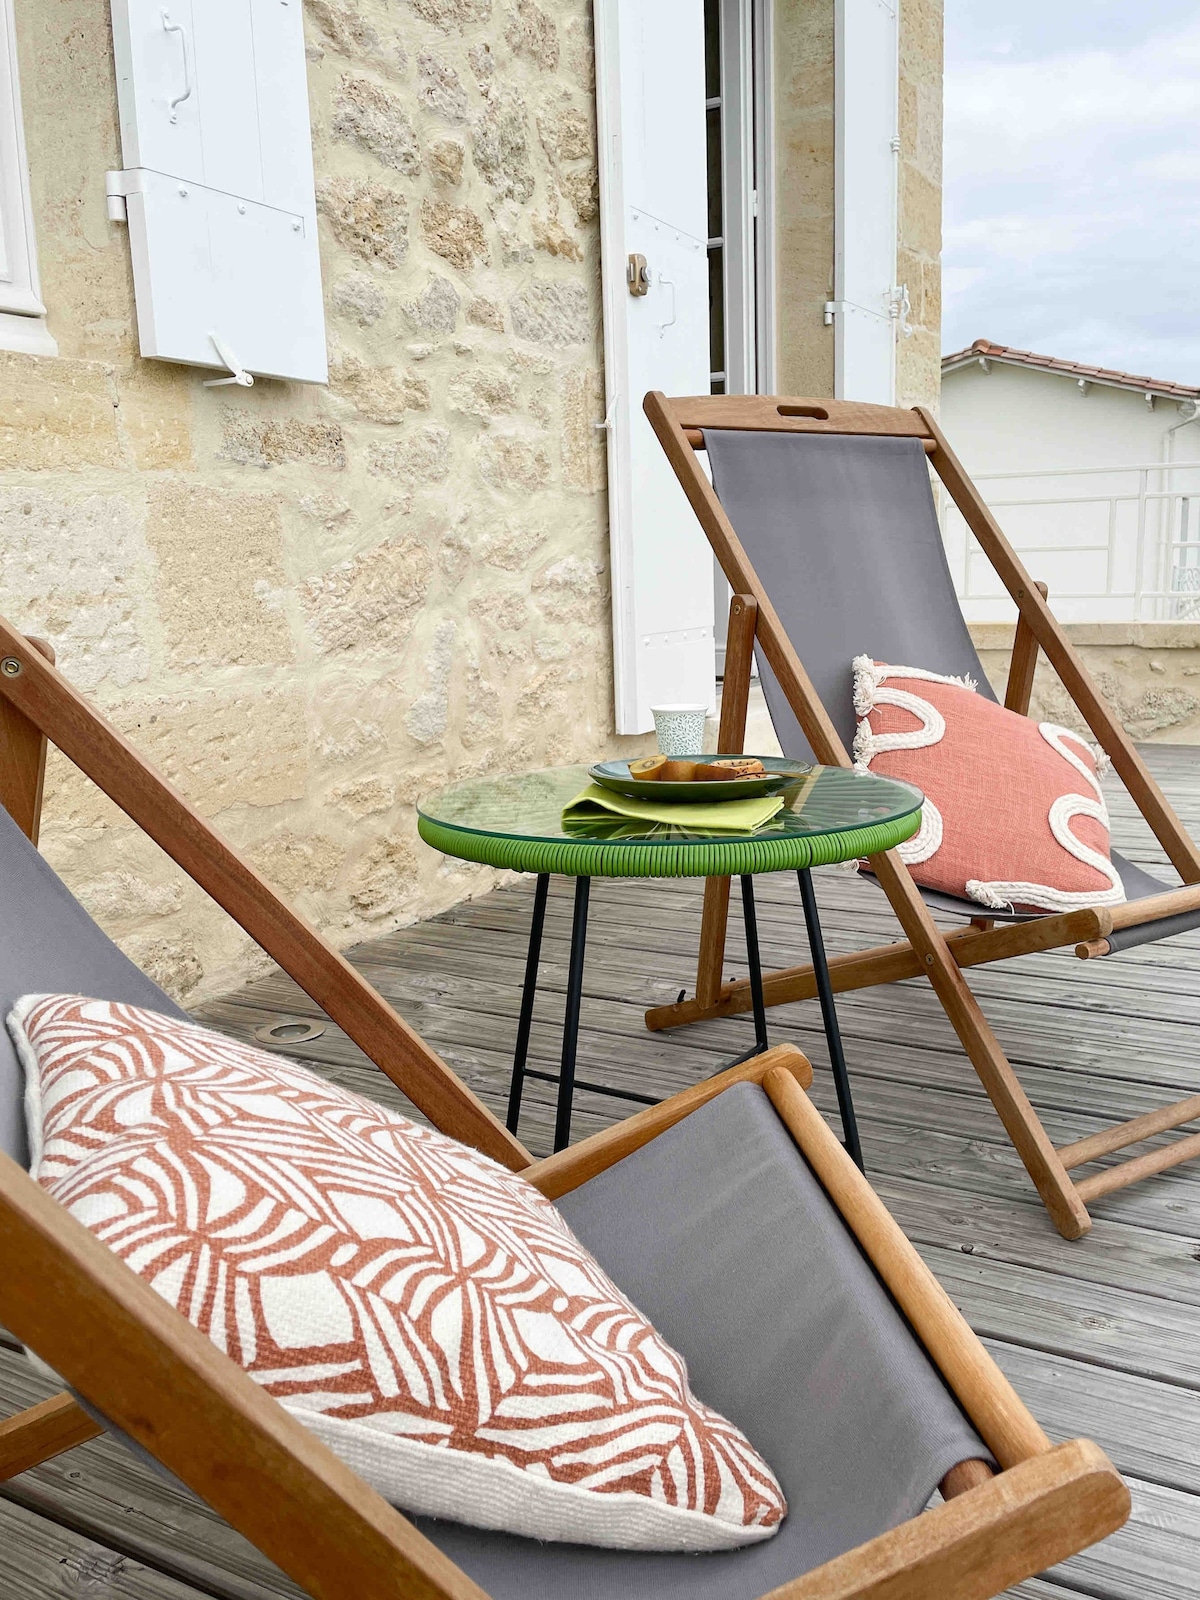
(559, 1174)
(979, 1544)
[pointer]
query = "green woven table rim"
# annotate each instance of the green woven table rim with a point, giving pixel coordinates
(707, 858)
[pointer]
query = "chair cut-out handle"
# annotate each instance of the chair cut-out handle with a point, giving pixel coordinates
(817, 413)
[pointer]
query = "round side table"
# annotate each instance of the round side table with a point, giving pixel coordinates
(515, 821)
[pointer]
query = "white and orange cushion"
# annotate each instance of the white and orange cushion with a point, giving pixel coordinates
(1014, 816)
(424, 1311)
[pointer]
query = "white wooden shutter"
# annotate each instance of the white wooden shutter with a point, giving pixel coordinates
(865, 161)
(218, 184)
(653, 194)
(19, 292)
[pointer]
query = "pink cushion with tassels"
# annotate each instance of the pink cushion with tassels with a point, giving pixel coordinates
(1014, 816)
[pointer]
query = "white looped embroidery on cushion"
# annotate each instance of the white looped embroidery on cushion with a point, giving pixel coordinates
(1062, 813)
(869, 678)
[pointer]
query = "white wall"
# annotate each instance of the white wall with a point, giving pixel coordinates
(1116, 526)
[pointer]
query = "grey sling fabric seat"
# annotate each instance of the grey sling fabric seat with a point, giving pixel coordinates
(49, 944)
(745, 1267)
(843, 533)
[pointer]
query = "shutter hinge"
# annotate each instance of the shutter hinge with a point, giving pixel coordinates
(831, 307)
(900, 308)
(116, 186)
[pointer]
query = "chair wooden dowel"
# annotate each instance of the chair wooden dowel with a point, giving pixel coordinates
(43, 1432)
(1134, 912)
(1092, 949)
(1127, 1172)
(1132, 1132)
(983, 1391)
(965, 1476)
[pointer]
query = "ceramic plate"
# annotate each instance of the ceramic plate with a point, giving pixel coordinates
(780, 772)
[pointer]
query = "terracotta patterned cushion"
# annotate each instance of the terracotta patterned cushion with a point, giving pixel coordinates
(1014, 815)
(427, 1313)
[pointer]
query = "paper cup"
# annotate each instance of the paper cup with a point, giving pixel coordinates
(680, 729)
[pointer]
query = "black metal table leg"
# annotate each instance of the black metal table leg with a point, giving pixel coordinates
(566, 1081)
(755, 964)
(528, 993)
(837, 1059)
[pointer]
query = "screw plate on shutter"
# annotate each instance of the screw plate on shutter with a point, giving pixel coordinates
(637, 275)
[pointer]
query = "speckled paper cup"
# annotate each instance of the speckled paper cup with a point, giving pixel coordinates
(680, 729)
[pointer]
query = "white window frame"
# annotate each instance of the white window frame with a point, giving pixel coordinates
(22, 313)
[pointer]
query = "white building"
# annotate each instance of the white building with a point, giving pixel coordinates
(1093, 474)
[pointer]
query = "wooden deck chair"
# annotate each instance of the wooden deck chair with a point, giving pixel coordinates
(730, 1213)
(821, 514)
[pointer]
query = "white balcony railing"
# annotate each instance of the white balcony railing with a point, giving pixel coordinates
(1115, 544)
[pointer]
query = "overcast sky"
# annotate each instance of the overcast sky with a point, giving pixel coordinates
(1072, 187)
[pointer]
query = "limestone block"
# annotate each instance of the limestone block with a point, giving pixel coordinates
(372, 117)
(452, 14)
(352, 35)
(75, 570)
(486, 314)
(364, 797)
(428, 715)
(368, 219)
(437, 309)
(446, 158)
(421, 457)
(220, 560)
(382, 393)
(358, 298)
(500, 144)
(509, 461)
(172, 962)
(567, 131)
(154, 415)
(529, 32)
(439, 88)
(583, 455)
(582, 189)
(266, 441)
(485, 716)
(120, 897)
(510, 546)
(369, 602)
(483, 392)
(570, 590)
(296, 863)
(56, 414)
(453, 232)
(552, 311)
(384, 880)
(920, 211)
(550, 235)
(506, 609)
(243, 747)
(483, 62)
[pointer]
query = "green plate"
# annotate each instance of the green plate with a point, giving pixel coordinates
(780, 772)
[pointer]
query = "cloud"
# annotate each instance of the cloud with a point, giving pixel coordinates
(1073, 193)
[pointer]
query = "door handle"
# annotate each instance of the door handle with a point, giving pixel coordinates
(177, 27)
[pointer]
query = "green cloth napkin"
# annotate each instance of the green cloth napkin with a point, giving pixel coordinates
(595, 804)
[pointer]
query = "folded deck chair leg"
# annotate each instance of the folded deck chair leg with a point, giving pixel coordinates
(42, 1432)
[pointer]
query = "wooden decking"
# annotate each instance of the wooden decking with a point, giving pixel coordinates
(1101, 1337)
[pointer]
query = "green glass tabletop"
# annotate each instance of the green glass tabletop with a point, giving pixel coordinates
(516, 821)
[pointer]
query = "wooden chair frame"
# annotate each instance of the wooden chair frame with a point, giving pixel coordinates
(926, 950)
(172, 1391)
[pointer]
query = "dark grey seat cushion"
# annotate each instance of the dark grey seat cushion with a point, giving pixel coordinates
(721, 1234)
(49, 944)
(843, 533)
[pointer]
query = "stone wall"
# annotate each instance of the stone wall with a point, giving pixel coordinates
(804, 201)
(309, 607)
(1149, 671)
